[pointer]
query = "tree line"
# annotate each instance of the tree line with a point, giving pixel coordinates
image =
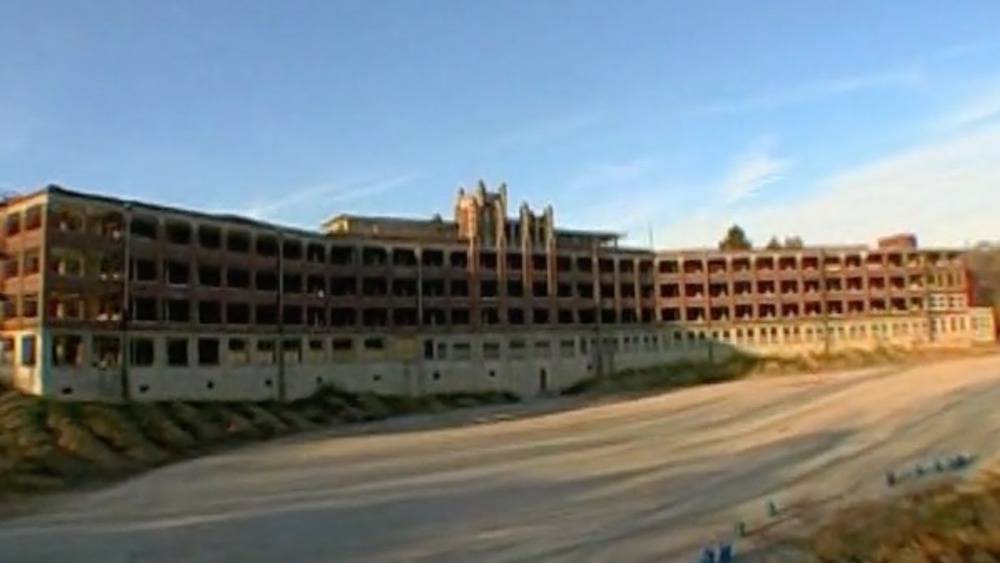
(736, 239)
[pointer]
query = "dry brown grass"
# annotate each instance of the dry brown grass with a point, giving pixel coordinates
(951, 522)
(48, 445)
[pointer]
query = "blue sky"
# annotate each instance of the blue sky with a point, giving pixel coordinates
(835, 120)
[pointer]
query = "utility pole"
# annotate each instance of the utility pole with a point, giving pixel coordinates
(420, 319)
(126, 305)
(599, 337)
(929, 300)
(280, 302)
(824, 303)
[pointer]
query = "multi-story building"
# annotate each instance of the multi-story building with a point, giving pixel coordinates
(111, 299)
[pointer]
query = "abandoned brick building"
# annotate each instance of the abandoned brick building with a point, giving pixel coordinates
(111, 299)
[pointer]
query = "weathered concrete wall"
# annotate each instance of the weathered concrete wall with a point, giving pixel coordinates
(523, 362)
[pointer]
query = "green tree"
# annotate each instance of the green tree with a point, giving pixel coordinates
(793, 242)
(735, 239)
(773, 244)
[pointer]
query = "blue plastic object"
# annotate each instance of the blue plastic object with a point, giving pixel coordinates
(708, 556)
(725, 553)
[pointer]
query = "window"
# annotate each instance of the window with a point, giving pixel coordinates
(374, 344)
(67, 350)
(29, 355)
(177, 352)
(208, 352)
(142, 352)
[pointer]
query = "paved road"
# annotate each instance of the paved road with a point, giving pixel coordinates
(641, 481)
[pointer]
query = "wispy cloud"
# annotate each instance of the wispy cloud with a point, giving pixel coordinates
(980, 109)
(542, 131)
(326, 194)
(943, 190)
(609, 176)
(809, 91)
(17, 127)
(751, 170)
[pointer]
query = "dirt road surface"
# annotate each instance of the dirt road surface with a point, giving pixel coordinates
(640, 481)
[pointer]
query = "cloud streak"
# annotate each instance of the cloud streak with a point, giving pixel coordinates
(751, 171)
(941, 190)
(832, 87)
(327, 193)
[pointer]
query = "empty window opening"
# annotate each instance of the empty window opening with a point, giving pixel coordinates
(178, 233)
(267, 246)
(145, 309)
(488, 260)
(32, 262)
(316, 316)
(176, 311)
(433, 288)
(316, 253)
(291, 250)
(316, 286)
(374, 256)
(376, 317)
(177, 352)
(266, 281)
(238, 242)
(292, 350)
(403, 287)
(435, 317)
(490, 316)
(107, 351)
(436, 375)
(458, 288)
(459, 259)
(292, 314)
(29, 306)
(238, 278)
(404, 257)
(432, 258)
(341, 255)
(404, 316)
(209, 276)
(144, 228)
(343, 317)
(208, 352)
(342, 344)
(291, 284)
(210, 312)
(515, 316)
(488, 289)
(374, 343)
(67, 350)
(540, 263)
(176, 273)
(374, 287)
(515, 261)
(142, 352)
(343, 286)
(540, 289)
(209, 237)
(144, 270)
(461, 317)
